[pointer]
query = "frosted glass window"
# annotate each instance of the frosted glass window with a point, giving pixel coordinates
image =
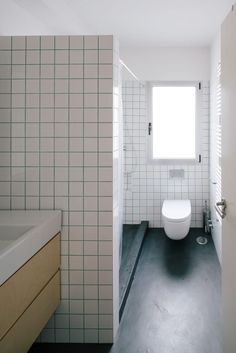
(174, 122)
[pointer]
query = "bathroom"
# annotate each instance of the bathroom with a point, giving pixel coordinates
(76, 137)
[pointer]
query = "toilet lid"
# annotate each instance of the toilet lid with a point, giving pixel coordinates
(176, 210)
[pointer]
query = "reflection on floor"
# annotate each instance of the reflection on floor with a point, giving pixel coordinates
(173, 305)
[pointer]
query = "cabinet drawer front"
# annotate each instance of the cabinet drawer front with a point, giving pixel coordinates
(19, 291)
(24, 332)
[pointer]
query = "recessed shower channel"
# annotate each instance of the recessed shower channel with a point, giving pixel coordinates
(129, 261)
(202, 240)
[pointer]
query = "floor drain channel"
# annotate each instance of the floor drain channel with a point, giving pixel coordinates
(202, 240)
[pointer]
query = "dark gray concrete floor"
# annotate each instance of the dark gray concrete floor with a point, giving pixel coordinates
(174, 305)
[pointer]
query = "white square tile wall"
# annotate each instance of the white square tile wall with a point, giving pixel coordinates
(146, 186)
(56, 137)
(117, 181)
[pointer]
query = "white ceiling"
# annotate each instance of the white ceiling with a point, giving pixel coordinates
(138, 23)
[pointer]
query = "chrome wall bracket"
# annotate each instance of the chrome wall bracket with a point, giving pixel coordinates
(220, 208)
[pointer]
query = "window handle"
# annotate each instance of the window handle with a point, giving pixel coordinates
(149, 128)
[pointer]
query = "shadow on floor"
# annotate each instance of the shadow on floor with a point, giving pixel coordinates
(178, 266)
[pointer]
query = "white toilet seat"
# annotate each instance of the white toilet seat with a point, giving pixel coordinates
(176, 216)
(176, 210)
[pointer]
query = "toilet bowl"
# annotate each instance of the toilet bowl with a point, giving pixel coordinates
(176, 216)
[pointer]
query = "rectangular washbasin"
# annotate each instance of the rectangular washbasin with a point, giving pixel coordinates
(22, 234)
(11, 232)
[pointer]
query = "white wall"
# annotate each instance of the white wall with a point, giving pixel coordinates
(116, 145)
(215, 59)
(147, 186)
(168, 63)
(56, 126)
(40, 18)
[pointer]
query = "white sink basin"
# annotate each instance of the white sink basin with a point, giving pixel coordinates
(22, 234)
(12, 232)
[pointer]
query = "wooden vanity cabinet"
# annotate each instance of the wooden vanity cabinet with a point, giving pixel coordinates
(29, 298)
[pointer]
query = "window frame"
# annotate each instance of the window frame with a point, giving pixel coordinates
(198, 157)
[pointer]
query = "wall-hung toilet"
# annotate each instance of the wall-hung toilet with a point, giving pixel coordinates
(176, 216)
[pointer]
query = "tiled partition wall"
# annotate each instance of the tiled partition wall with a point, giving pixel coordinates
(117, 182)
(56, 128)
(146, 186)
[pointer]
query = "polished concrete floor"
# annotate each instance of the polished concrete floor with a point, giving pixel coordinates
(173, 305)
(174, 302)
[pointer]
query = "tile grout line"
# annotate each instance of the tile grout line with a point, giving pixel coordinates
(25, 124)
(83, 195)
(40, 111)
(98, 163)
(54, 157)
(11, 162)
(39, 171)
(69, 190)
